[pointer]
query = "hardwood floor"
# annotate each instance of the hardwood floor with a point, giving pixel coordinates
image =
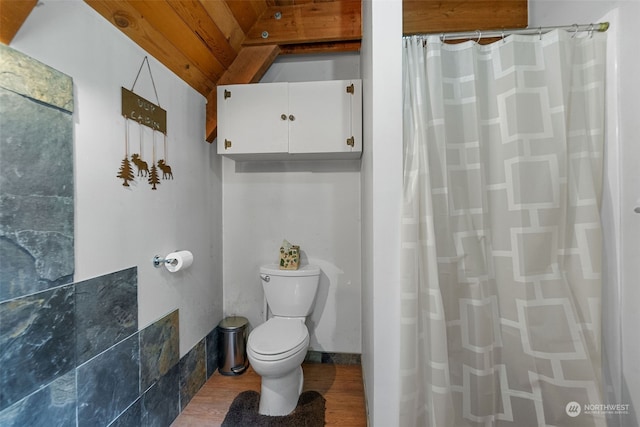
(341, 386)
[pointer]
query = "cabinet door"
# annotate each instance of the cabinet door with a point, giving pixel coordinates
(250, 118)
(322, 114)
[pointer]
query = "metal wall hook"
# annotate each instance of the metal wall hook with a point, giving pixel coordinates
(158, 261)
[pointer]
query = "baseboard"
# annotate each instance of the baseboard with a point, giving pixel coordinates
(332, 358)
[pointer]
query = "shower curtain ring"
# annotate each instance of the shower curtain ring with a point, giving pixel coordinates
(591, 30)
(479, 36)
(575, 30)
(540, 32)
(503, 40)
(443, 37)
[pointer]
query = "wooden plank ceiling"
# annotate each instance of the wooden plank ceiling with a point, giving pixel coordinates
(213, 42)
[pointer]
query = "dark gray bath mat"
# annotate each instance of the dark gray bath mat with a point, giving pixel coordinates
(244, 412)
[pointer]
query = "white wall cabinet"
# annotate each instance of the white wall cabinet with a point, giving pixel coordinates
(301, 120)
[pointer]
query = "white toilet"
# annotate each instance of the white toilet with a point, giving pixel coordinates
(277, 348)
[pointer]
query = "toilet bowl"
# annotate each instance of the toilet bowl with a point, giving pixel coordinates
(277, 348)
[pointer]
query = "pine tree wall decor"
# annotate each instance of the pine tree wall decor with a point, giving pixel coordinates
(153, 177)
(126, 173)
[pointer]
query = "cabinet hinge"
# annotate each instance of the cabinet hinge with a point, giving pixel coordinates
(350, 89)
(227, 144)
(351, 141)
(227, 94)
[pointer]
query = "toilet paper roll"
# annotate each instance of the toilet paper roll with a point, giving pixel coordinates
(180, 261)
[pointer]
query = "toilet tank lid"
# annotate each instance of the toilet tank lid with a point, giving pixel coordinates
(303, 270)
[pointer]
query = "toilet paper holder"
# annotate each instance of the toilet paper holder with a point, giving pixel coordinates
(159, 261)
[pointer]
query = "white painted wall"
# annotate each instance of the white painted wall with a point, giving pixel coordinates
(381, 62)
(622, 185)
(314, 204)
(118, 227)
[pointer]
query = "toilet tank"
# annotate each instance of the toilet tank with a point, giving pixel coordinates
(290, 293)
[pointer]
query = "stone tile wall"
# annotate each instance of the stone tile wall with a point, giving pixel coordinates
(74, 354)
(36, 176)
(71, 353)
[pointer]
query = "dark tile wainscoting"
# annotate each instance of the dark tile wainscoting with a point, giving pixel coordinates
(73, 356)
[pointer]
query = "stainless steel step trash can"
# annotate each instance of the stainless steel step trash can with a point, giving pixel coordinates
(232, 350)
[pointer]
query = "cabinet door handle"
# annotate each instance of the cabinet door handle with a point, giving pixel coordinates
(283, 116)
(292, 117)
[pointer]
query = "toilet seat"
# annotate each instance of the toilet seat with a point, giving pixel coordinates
(278, 338)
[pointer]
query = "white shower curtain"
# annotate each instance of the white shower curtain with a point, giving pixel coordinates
(501, 237)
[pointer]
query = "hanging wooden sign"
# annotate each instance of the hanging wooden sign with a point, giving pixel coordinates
(146, 113)
(138, 109)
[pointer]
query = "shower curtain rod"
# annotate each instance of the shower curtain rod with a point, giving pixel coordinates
(479, 34)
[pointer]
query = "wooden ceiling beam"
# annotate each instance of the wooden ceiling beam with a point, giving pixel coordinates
(245, 12)
(308, 23)
(332, 47)
(222, 16)
(131, 22)
(12, 15)
(197, 19)
(436, 16)
(160, 15)
(249, 67)
(289, 2)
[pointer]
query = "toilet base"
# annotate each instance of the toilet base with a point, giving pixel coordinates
(279, 396)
